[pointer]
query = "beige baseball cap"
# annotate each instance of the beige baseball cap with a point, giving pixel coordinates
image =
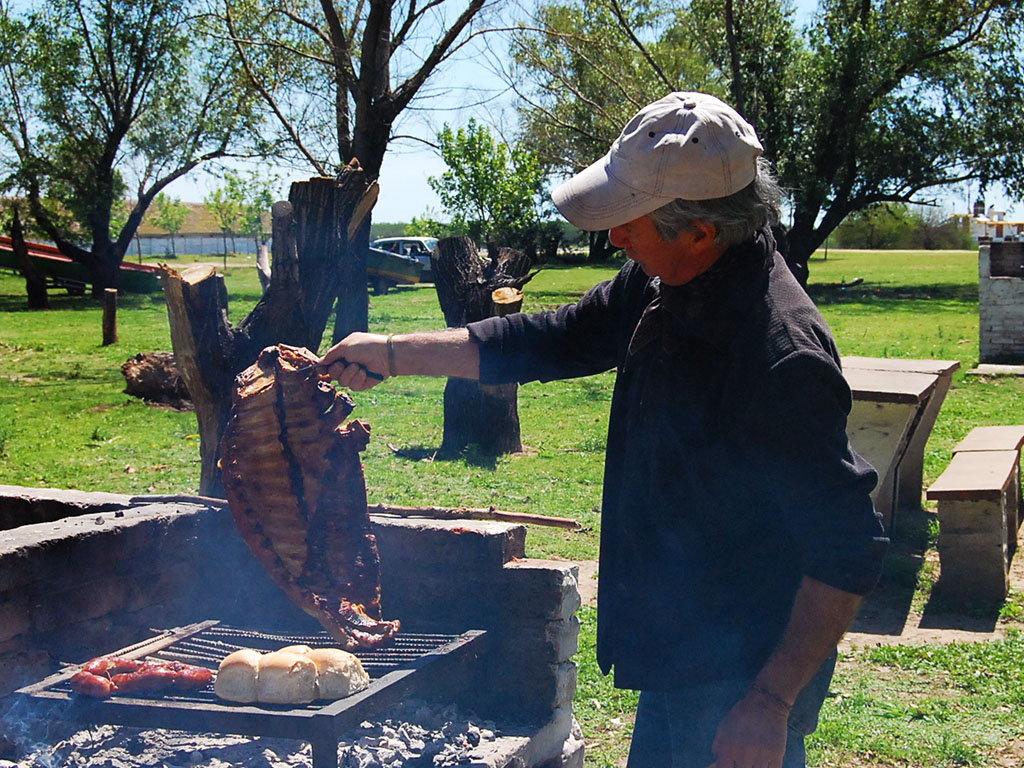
(687, 145)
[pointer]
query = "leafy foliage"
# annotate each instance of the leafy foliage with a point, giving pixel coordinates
(240, 204)
(102, 97)
(226, 208)
(896, 225)
(872, 102)
(490, 188)
(582, 73)
(169, 214)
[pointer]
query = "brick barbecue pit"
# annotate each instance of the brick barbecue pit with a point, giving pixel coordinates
(82, 574)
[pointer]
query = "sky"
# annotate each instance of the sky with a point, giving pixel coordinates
(469, 88)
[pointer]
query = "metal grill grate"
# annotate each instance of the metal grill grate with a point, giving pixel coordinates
(411, 662)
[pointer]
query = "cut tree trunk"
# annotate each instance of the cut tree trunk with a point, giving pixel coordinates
(154, 377)
(313, 240)
(471, 288)
(353, 300)
(35, 281)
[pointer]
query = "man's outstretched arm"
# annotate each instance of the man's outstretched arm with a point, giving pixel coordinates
(432, 353)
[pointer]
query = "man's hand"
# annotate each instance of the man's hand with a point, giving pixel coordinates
(351, 359)
(752, 734)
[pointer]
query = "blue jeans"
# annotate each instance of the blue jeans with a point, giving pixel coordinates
(675, 729)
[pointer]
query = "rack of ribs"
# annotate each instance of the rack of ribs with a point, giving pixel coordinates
(294, 480)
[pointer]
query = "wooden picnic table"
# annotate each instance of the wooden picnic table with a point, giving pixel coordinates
(888, 406)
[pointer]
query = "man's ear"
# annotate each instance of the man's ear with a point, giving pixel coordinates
(704, 233)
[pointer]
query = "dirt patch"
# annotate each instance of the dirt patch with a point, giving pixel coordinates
(588, 582)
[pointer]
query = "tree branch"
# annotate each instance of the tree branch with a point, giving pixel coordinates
(640, 46)
(268, 97)
(407, 90)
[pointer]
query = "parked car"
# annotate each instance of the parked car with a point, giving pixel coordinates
(418, 248)
(385, 270)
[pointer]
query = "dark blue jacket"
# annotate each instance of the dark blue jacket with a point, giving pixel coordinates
(728, 474)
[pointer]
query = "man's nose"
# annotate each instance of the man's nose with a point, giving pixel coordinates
(617, 236)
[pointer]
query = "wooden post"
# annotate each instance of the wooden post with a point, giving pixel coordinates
(471, 288)
(109, 316)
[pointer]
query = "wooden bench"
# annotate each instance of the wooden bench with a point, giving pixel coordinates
(978, 496)
(1000, 438)
(909, 482)
(887, 405)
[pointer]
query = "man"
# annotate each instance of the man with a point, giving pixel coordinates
(737, 529)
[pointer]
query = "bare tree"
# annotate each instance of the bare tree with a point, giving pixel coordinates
(337, 76)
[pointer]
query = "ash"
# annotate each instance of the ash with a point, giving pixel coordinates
(414, 735)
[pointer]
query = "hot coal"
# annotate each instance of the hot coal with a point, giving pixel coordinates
(412, 736)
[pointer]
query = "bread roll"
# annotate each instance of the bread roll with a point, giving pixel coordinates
(302, 649)
(286, 678)
(236, 676)
(340, 673)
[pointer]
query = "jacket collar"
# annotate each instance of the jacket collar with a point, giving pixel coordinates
(713, 304)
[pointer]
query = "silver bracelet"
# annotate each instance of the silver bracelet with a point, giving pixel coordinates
(391, 356)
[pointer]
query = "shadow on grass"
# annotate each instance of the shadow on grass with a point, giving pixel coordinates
(885, 611)
(893, 294)
(65, 303)
(946, 612)
(472, 455)
(907, 585)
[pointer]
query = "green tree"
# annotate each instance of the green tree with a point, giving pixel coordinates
(337, 75)
(897, 225)
(226, 203)
(490, 189)
(873, 102)
(582, 69)
(886, 225)
(101, 96)
(258, 193)
(169, 214)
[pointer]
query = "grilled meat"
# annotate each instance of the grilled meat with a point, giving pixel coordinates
(294, 480)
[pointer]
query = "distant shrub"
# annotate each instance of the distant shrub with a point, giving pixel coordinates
(897, 225)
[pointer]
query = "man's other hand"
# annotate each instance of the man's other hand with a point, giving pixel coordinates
(752, 735)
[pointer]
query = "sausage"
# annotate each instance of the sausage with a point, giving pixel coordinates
(109, 675)
(88, 684)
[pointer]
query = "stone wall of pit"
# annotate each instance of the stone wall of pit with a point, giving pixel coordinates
(77, 586)
(1001, 303)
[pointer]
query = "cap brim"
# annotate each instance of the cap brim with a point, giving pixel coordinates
(594, 199)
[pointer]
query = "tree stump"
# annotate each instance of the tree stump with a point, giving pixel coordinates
(154, 377)
(313, 241)
(471, 288)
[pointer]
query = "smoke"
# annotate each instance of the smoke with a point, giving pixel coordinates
(29, 728)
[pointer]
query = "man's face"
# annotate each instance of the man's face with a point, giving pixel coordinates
(675, 261)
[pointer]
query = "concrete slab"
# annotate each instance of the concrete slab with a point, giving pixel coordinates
(993, 369)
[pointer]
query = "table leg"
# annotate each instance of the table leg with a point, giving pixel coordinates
(911, 467)
(325, 751)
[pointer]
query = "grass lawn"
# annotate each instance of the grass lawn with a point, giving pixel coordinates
(66, 423)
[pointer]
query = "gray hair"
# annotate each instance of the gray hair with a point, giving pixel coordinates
(735, 217)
